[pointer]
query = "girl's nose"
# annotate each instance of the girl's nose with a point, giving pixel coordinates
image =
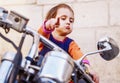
(68, 22)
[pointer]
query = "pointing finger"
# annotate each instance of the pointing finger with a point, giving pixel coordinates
(58, 22)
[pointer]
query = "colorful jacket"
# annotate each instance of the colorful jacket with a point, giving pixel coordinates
(69, 45)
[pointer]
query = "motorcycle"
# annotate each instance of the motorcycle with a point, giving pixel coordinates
(16, 69)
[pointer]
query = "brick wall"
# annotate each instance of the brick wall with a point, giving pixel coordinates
(93, 20)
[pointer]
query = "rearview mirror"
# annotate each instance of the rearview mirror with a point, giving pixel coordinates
(110, 46)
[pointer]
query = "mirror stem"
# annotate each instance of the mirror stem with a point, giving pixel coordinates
(107, 48)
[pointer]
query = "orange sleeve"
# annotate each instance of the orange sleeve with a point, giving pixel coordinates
(41, 31)
(75, 51)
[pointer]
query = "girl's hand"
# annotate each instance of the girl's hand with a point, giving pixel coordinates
(93, 74)
(95, 77)
(52, 24)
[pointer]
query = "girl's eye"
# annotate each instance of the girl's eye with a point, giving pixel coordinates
(63, 18)
(71, 20)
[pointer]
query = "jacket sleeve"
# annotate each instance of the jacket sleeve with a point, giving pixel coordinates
(43, 33)
(75, 51)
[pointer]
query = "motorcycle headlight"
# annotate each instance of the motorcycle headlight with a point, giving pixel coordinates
(17, 21)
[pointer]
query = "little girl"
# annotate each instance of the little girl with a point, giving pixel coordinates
(57, 25)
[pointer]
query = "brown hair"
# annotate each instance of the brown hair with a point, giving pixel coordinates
(53, 11)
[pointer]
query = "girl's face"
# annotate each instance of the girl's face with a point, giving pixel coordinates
(66, 20)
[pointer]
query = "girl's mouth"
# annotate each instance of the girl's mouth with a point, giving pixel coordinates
(67, 27)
